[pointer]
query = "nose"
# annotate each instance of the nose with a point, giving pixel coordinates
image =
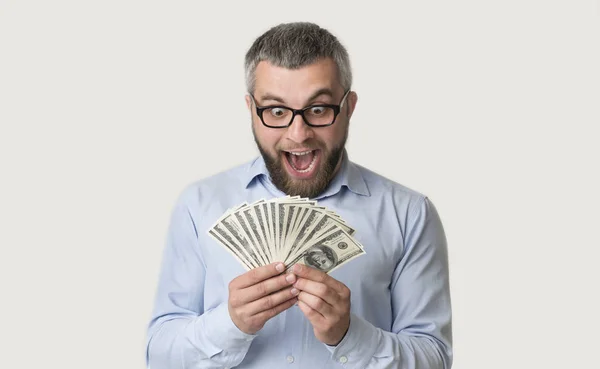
(299, 131)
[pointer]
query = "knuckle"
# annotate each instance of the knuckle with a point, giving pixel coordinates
(345, 293)
(261, 288)
(268, 302)
(254, 322)
(270, 285)
(318, 304)
(241, 313)
(234, 300)
(253, 274)
(272, 312)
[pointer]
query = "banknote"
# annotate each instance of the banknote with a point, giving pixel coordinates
(288, 229)
(328, 252)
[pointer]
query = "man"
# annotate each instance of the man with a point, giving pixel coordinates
(389, 308)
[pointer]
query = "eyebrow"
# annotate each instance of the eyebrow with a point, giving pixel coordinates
(269, 96)
(318, 93)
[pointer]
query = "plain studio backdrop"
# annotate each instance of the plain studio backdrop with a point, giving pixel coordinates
(108, 109)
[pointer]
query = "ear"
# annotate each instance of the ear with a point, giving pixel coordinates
(249, 103)
(351, 100)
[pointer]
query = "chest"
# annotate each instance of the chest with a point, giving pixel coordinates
(368, 276)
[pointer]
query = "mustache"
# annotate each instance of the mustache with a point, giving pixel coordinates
(308, 145)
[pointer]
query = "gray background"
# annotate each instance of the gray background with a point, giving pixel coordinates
(109, 108)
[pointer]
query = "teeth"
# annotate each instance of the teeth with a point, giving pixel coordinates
(300, 153)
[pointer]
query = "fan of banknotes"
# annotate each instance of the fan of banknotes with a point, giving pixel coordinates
(288, 229)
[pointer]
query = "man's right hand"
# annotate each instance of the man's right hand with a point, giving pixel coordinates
(260, 294)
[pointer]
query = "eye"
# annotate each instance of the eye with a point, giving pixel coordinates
(277, 112)
(317, 110)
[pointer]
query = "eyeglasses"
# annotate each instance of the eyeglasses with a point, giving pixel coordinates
(280, 116)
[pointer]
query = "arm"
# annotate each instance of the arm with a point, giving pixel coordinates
(420, 336)
(181, 333)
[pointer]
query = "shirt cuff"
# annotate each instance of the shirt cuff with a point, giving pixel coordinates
(358, 345)
(222, 332)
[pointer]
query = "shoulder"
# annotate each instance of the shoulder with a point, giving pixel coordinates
(383, 187)
(216, 188)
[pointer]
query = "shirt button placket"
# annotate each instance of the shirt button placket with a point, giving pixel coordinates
(289, 347)
(343, 359)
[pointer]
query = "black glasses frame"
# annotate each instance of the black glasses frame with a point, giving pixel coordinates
(336, 110)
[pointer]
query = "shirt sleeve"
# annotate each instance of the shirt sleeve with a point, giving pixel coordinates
(181, 333)
(421, 334)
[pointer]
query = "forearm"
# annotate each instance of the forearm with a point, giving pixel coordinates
(183, 332)
(368, 347)
(420, 336)
(210, 340)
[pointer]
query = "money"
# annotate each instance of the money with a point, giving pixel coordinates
(291, 230)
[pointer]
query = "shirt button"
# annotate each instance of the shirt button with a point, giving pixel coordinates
(290, 359)
(343, 359)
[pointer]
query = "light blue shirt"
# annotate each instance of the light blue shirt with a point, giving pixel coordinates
(400, 298)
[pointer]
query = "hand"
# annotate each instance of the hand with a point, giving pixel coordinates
(325, 301)
(258, 295)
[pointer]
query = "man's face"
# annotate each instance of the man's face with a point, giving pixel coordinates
(301, 160)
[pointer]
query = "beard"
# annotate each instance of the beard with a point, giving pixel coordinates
(311, 187)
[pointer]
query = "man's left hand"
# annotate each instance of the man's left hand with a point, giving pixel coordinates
(325, 301)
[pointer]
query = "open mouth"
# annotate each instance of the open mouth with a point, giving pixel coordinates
(302, 164)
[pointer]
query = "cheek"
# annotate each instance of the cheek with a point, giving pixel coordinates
(268, 138)
(333, 137)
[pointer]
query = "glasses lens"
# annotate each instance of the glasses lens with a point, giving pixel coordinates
(319, 115)
(315, 115)
(277, 117)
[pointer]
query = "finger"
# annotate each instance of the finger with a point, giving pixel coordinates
(270, 301)
(256, 275)
(318, 289)
(313, 274)
(265, 315)
(315, 318)
(316, 303)
(265, 287)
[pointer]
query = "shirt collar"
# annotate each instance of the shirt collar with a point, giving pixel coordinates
(349, 176)
(256, 169)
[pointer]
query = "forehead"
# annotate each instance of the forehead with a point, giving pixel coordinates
(293, 82)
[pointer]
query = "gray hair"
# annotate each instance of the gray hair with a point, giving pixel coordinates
(295, 45)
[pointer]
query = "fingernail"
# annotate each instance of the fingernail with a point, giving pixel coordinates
(279, 267)
(297, 268)
(294, 291)
(290, 278)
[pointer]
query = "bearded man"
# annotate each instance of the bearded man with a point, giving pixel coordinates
(387, 309)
